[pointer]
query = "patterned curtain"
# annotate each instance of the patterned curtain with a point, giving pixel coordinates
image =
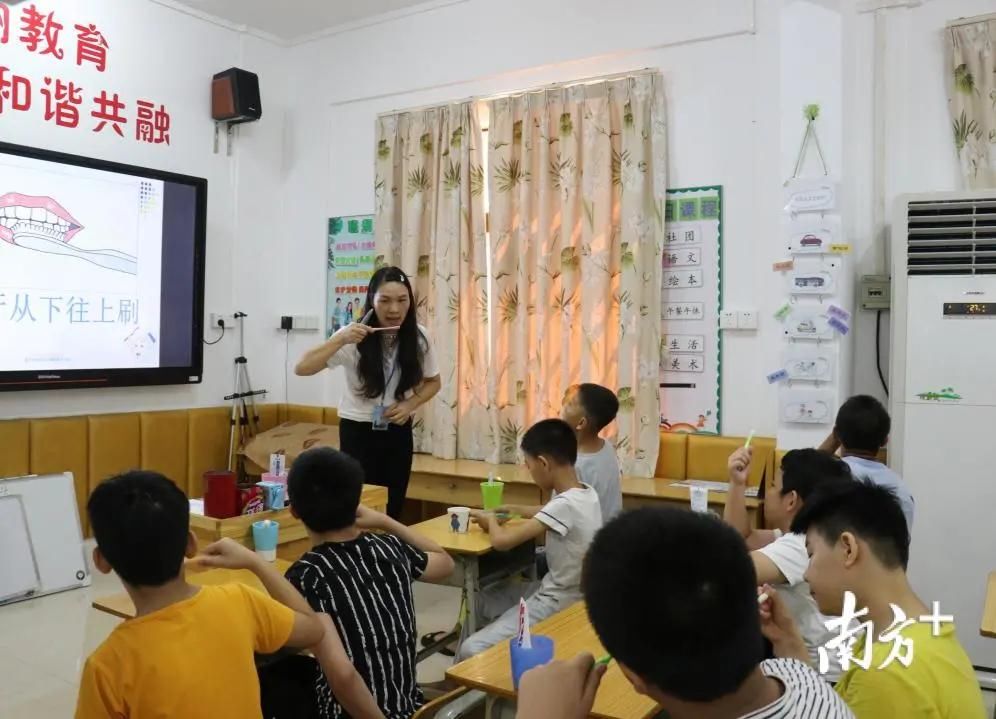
(577, 180)
(972, 99)
(430, 221)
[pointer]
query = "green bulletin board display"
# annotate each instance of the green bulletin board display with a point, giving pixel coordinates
(350, 265)
(691, 298)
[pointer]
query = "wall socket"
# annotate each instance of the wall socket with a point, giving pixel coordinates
(728, 319)
(299, 323)
(747, 320)
(228, 320)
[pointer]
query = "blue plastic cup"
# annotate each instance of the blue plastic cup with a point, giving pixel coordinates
(264, 538)
(525, 659)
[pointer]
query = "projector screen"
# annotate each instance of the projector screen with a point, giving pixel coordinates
(101, 273)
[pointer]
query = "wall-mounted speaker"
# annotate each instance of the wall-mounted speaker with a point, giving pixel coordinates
(235, 96)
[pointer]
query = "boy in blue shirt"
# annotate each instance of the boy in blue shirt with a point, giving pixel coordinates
(860, 431)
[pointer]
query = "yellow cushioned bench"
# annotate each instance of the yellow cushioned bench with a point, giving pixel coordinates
(183, 444)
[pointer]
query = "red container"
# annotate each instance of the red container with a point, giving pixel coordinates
(221, 495)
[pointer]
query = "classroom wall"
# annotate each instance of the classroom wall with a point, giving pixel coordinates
(160, 53)
(722, 84)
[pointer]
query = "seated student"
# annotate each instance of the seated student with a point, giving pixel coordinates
(362, 579)
(860, 431)
(569, 521)
(780, 556)
(672, 597)
(590, 408)
(859, 542)
(189, 650)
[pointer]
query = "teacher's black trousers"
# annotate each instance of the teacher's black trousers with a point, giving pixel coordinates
(386, 457)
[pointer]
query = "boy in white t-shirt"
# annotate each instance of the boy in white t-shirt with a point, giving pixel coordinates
(780, 557)
(569, 521)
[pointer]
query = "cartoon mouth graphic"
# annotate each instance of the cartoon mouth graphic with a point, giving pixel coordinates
(39, 216)
(40, 223)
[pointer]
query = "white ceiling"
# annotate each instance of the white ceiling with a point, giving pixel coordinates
(290, 19)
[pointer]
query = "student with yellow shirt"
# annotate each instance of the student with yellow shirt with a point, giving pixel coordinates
(189, 652)
(858, 542)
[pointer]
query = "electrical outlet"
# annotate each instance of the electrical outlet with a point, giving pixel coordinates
(227, 320)
(306, 323)
(747, 319)
(728, 319)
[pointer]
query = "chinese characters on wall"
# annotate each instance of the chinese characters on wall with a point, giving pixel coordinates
(73, 104)
(690, 285)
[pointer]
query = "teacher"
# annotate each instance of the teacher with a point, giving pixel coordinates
(390, 372)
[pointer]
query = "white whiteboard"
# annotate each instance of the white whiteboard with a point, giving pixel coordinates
(41, 543)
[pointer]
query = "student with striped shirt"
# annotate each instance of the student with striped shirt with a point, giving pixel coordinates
(362, 579)
(672, 596)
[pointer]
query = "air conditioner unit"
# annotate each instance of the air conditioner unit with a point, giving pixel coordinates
(943, 398)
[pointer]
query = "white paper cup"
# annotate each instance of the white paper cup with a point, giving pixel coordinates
(459, 519)
(699, 497)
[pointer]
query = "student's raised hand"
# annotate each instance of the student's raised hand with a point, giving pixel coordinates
(227, 554)
(738, 466)
(778, 625)
(367, 518)
(560, 690)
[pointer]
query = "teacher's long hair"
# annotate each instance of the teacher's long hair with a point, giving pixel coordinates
(411, 343)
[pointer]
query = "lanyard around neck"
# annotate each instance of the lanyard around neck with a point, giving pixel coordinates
(388, 378)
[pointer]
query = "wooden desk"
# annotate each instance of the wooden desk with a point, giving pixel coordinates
(120, 605)
(572, 633)
(988, 627)
(209, 529)
(660, 492)
(478, 565)
(457, 482)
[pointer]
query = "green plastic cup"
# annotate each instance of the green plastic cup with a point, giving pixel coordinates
(491, 494)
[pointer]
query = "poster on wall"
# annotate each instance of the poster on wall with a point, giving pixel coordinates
(350, 265)
(691, 286)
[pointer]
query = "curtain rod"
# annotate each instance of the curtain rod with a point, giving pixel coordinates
(971, 20)
(542, 88)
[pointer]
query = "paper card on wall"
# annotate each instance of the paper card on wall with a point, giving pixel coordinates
(808, 324)
(685, 363)
(839, 312)
(804, 194)
(810, 362)
(683, 279)
(683, 234)
(682, 310)
(811, 234)
(840, 249)
(805, 406)
(839, 325)
(694, 344)
(682, 257)
(782, 312)
(817, 282)
(783, 266)
(777, 376)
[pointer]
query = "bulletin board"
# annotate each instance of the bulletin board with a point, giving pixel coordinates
(691, 297)
(350, 265)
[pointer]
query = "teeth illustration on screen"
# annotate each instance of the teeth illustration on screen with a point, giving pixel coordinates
(42, 224)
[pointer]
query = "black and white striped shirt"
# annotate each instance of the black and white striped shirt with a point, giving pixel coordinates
(807, 695)
(365, 585)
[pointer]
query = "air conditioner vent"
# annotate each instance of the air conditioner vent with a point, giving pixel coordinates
(952, 237)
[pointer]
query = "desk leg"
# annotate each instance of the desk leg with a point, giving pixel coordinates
(489, 706)
(471, 586)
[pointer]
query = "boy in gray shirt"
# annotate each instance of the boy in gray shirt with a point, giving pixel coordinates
(588, 409)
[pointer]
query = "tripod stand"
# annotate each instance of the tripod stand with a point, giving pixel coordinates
(244, 417)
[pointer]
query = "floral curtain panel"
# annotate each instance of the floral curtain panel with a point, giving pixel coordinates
(972, 99)
(430, 221)
(577, 179)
